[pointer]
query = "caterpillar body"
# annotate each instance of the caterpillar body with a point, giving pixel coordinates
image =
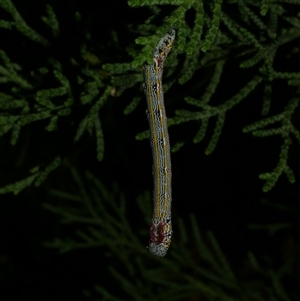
(161, 226)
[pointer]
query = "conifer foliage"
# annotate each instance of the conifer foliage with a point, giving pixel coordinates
(219, 32)
(253, 40)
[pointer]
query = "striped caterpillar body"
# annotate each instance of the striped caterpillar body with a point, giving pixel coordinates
(160, 227)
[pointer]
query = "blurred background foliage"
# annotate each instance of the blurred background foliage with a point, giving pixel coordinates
(68, 73)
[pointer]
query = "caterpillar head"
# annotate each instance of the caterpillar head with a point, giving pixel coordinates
(163, 47)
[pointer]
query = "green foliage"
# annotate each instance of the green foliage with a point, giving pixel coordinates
(38, 176)
(197, 30)
(213, 27)
(9, 72)
(205, 45)
(28, 98)
(209, 41)
(177, 146)
(88, 123)
(51, 20)
(19, 24)
(189, 68)
(264, 7)
(61, 90)
(211, 111)
(195, 266)
(285, 131)
(134, 103)
(216, 134)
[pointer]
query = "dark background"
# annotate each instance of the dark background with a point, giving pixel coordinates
(223, 190)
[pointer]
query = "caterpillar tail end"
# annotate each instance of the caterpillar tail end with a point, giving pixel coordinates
(160, 236)
(157, 249)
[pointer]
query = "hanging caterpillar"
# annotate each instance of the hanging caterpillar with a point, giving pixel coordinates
(161, 226)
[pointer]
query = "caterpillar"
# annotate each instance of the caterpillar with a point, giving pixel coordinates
(160, 226)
